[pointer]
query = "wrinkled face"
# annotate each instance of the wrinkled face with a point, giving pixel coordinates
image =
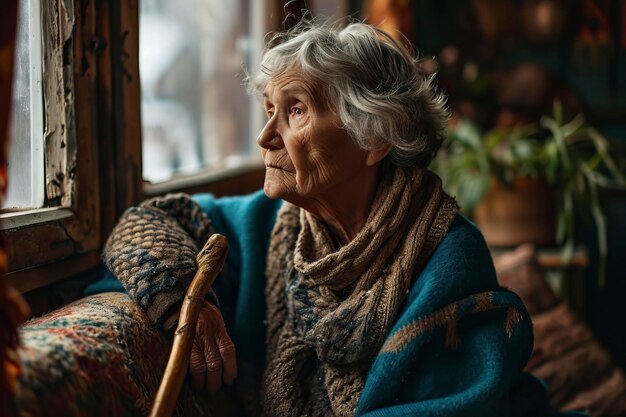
(306, 152)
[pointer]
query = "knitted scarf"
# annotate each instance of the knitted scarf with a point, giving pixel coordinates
(329, 307)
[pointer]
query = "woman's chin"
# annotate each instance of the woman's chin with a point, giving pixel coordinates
(273, 190)
(278, 184)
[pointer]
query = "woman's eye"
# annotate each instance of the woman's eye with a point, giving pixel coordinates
(297, 111)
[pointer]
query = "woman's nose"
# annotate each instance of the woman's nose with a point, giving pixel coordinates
(270, 138)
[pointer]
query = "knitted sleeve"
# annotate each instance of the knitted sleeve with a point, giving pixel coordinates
(152, 251)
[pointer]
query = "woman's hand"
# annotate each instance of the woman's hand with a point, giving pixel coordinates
(213, 358)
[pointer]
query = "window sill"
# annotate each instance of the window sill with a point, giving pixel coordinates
(205, 178)
(23, 218)
(38, 238)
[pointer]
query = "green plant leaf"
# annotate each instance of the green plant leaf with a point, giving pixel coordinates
(559, 140)
(602, 147)
(571, 156)
(600, 220)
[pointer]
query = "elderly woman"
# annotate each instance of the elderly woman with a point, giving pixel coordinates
(355, 288)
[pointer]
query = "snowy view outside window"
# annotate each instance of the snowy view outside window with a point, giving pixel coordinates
(25, 169)
(195, 112)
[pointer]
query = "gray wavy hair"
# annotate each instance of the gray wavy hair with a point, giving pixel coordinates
(374, 84)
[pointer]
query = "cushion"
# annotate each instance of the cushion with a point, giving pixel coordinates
(566, 355)
(519, 271)
(99, 356)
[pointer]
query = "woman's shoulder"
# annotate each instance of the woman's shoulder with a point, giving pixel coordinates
(239, 211)
(463, 235)
(463, 250)
(460, 266)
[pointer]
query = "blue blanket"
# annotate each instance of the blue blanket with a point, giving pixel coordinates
(459, 344)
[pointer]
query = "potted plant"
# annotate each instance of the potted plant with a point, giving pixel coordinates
(522, 184)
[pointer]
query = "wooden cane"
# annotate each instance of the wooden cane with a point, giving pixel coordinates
(210, 262)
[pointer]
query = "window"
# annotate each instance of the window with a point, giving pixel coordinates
(196, 114)
(90, 128)
(84, 163)
(25, 170)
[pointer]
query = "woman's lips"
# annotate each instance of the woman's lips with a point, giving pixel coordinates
(275, 167)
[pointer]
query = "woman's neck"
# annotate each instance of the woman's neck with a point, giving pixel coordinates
(346, 207)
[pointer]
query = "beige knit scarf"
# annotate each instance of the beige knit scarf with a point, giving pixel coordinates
(329, 307)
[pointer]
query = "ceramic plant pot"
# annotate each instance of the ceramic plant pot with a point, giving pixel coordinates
(521, 213)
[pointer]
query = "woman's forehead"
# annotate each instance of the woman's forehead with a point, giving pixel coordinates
(291, 82)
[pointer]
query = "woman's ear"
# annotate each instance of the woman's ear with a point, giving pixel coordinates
(377, 155)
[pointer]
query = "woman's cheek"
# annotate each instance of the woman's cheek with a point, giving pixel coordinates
(320, 174)
(304, 184)
(300, 151)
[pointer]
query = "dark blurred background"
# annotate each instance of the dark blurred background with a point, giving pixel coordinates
(503, 62)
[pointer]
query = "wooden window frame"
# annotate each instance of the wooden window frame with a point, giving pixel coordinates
(92, 141)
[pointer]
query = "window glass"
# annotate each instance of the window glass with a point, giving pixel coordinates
(195, 111)
(25, 167)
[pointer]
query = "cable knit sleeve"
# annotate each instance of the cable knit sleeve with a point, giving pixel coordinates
(152, 251)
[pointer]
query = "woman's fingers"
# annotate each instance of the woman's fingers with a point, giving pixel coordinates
(213, 358)
(226, 349)
(197, 365)
(214, 366)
